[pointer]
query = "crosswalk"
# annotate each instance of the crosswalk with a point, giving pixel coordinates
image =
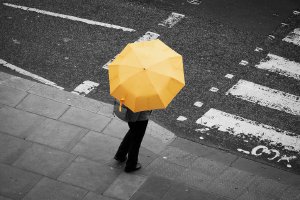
(269, 139)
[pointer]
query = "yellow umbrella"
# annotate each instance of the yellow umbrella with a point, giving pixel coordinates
(146, 75)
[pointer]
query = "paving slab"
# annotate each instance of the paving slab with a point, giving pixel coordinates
(85, 119)
(178, 156)
(66, 97)
(5, 76)
(183, 192)
(159, 132)
(267, 171)
(142, 196)
(11, 148)
(94, 196)
(153, 144)
(97, 147)
(231, 183)
(155, 187)
(11, 96)
(17, 82)
(164, 168)
(116, 128)
(292, 193)
(90, 175)
(55, 190)
(202, 172)
(262, 188)
(4, 198)
(57, 134)
(43, 106)
(204, 151)
(125, 186)
(15, 183)
(17, 122)
(44, 160)
(107, 110)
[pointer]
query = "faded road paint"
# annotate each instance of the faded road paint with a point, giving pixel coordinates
(26, 73)
(281, 66)
(239, 126)
(87, 21)
(173, 19)
(85, 88)
(265, 96)
(293, 37)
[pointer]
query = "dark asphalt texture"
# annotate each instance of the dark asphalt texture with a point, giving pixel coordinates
(213, 38)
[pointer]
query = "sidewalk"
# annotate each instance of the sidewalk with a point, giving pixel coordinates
(58, 145)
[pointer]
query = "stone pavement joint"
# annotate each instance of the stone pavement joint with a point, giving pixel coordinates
(58, 145)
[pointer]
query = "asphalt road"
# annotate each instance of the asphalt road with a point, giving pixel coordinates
(213, 37)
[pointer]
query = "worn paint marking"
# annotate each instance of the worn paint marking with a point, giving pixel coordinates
(265, 96)
(26, 73)
(146, 37)
(85, 88)
(293, 37)
(87, 21)
(239, 127)
(281, 66)
(173, 19)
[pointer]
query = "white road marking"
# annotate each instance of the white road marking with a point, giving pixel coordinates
(281, 66)
(239, 127)
(173, 19)
(181, 118)
(293, 37)
(85, 88)
(198, 104)
(244, 62)
(146, 37)
(296, 12)
(26, 73)
(194, 2)
(87, 21)
(265, 96)
(258, 49)
(230, 76)
(214, 89)
(243, 151)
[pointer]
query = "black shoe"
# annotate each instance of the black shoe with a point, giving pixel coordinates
(120, 159)
(134, 168)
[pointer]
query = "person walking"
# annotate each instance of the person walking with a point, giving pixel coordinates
(130, 145)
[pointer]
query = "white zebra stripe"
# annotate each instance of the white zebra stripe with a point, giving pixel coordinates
(239, 127)
(280, 65)
(173, 19)
(265, 96)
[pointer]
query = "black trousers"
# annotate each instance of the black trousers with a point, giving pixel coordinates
(132, 141)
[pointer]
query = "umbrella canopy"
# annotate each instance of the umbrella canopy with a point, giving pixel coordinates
(146, 75)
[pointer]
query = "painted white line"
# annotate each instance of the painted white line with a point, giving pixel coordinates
(244, 62)
(26, 73)
(239, 127)
(173, 19)
(194, 2)
(296, 12)
(265, 96)
(258, 49)
(181, 118)
(146, 37)
(293, 37)
(230, 76)
(87, 21)
(198, 104)
(85, 88)
(214, 89)
(281, 66)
